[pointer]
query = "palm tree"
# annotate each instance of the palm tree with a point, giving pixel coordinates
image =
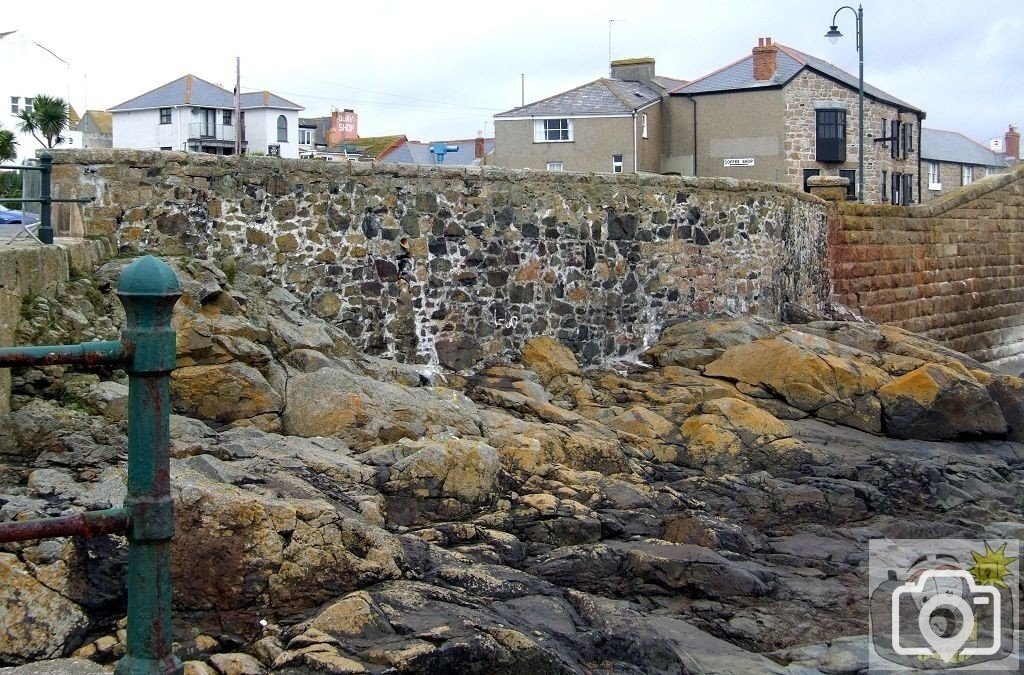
(49, 117)
(8, 145)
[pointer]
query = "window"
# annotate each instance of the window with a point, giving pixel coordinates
(28, 105)
(885, 134)
(894, 132)
(555, 166)
(851, 187)
(616, 163)
(967, 175)
(807, 174)
(908, 189)
(552, 131)
(909, 145)
(897, 184)
(282, 129)
(643, 125)
(14, 105)
(934, 177)
(306, 136)
(165, 115)
(228, 117)
(830, 143)
(166, 147)
(885, 185)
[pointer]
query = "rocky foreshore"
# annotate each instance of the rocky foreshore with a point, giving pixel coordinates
(705, 509)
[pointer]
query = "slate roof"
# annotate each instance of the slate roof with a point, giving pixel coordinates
(192, 90)
(952, 146)
(789, 62)
(604, 96)
(418, 152)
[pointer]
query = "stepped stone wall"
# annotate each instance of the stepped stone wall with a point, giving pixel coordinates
(455, 264)
(28, 270)
(952, 269)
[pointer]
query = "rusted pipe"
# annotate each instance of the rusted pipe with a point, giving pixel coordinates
(85, 354)
(88, 524)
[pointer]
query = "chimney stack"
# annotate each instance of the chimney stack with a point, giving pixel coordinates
(634, 70)
(344, 127)
(479, 145)
(765, 54)
(1012, 145)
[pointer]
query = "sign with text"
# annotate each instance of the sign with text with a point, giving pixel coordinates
(742, 161)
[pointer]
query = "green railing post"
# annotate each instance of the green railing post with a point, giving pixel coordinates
(45, 218)
(148, 290)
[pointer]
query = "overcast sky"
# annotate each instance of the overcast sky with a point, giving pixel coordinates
(440, 70)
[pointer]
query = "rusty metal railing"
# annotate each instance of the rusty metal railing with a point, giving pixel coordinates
(148, 289)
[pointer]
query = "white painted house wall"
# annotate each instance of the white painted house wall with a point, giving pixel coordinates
(26, 70)
(141, 129)
(261, 130)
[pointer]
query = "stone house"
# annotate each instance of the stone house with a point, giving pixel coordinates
(194, 115)
(950, 160)
(781, 115)
(613, 124)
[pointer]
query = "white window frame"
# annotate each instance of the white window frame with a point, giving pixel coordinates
(305, 136)
(934, 176)
(643, 125)
(29, 102)
(617, 164)
(15, 101)
(966, 174)
(544, 129)
(555, 166)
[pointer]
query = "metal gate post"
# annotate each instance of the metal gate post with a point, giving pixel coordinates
(45, 217)
(148, 290)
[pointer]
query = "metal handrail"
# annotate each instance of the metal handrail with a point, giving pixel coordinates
(148, 289)
(45, 233)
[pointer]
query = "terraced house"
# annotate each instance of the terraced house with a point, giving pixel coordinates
(951, 160)
(776, 114)
(780, 115)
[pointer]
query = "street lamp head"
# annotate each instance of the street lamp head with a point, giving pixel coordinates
(833, 34)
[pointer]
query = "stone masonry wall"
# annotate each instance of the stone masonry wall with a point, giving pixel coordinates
(952, 269)
(451, 265)
(801, 94)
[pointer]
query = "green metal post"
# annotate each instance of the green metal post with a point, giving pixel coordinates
(45, 222)
(148, 290)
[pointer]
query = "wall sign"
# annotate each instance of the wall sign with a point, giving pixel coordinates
(744, 161)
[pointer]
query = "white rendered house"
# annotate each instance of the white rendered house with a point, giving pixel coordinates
(193, 115)
(28, 69)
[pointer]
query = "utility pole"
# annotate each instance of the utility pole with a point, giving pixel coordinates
(238, 105)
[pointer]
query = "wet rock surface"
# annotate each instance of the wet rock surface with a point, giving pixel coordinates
(707, 511)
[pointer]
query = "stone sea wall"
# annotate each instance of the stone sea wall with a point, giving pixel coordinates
(451, 265)
(952, 269)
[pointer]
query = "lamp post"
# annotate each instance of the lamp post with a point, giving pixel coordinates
(833, 35)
